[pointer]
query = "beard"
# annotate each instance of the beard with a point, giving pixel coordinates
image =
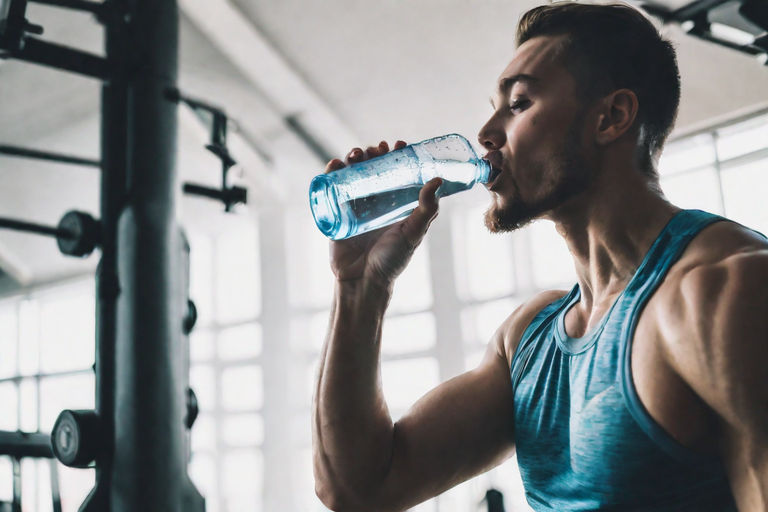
(571, 176)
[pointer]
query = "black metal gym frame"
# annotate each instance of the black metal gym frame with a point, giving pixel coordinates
(18, 445)
(494, 500)
(696, 15)
(219, 121)
(137, 435)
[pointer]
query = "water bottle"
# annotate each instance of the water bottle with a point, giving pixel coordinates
(380, 191)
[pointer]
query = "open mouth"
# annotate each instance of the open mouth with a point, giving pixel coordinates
(495, 172)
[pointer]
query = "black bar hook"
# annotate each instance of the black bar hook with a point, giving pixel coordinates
(230, 196)
(77, 234)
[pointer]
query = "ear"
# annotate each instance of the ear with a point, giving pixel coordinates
(617, 115)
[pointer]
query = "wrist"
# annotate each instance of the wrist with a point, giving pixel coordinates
(368, 293)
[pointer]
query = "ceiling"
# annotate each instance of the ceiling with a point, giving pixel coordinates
(349, 72)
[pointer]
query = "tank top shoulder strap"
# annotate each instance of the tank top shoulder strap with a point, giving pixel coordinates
(535, 333)
(667, 249)
(664, 252)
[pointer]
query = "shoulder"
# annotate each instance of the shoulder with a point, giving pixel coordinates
(712, 315)
(723, 263)
(716, 243)
(726, 265)
(710, 300)
(510, 332)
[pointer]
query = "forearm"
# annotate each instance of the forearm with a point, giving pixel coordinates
(352, 427)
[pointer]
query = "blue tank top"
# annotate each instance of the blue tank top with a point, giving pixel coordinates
(584, 439)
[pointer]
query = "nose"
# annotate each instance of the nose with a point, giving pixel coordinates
(492, 135)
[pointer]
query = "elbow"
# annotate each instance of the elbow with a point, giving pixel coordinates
(349, 487)
(336, 500)
(329, 488)
(328, 496)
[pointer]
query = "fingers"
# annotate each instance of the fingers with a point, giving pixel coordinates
(354, 156)
(334, 165)
(358, 155)
(417, 223)
(374, 151)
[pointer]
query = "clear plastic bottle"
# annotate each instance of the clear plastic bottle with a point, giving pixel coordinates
(380, 191)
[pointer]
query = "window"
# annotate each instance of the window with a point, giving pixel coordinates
(44, 369)
(721, 170)
(484, 268)
(704, 196)
(744, 186)
(552, 263)
(226, 368)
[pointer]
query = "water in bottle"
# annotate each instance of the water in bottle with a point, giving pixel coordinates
(378, 192)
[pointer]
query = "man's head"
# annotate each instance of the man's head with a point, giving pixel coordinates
(609, 47)
(585, 78)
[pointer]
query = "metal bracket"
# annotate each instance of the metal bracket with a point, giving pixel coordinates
(18, 445)
(696, 16)
(16, 42)
(219, 121)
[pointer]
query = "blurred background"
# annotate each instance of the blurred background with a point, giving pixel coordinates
(306, 81)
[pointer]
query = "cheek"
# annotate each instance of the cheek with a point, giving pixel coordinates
(526, 135)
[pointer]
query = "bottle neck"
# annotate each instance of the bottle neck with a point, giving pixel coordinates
(483, 170)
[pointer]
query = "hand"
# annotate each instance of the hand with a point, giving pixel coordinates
(381, 255)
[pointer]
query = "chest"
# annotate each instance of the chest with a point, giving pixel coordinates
(667, 398)
(571, 404)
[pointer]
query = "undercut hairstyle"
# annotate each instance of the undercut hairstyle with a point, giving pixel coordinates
(614, 46)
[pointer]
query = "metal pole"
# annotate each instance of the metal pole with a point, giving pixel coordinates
(62, 57)
(30, 227)
(149, 467)
(113, 193)
(141, 303)
(47, 155)
(80, 5)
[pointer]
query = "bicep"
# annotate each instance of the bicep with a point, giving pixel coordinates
(456, 431)
(463, 427)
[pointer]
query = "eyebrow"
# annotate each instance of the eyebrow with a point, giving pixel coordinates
(506, 83)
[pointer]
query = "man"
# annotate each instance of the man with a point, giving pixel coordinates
(644, 387)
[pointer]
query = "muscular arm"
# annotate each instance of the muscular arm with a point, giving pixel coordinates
(721, 350)
(352, 429)
(364, 461)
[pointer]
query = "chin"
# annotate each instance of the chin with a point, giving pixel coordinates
(511, 212)
(504, 219)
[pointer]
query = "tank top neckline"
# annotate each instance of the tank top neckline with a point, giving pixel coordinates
(576, 345)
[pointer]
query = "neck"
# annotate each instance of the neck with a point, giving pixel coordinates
(609, 229)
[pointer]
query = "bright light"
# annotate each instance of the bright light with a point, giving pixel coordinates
(687, 25)
(731, 34)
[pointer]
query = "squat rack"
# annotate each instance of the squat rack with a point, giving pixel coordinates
(137, 437)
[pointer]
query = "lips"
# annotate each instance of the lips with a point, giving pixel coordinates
(495, 159)
(495, 171)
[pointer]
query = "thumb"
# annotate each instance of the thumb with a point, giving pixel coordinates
(415, 226)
